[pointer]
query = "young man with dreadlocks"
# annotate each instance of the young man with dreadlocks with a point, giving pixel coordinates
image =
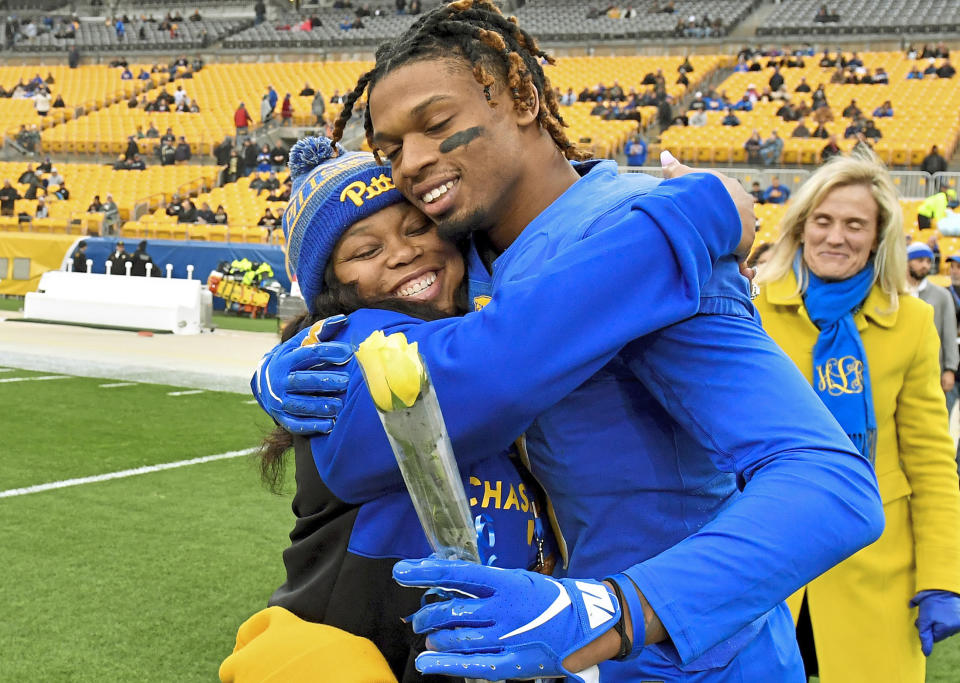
(676, 510)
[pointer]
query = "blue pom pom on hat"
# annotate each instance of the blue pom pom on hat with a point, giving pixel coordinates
(331, 190)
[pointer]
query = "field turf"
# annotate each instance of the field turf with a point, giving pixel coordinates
(140, 578)
(143, 578)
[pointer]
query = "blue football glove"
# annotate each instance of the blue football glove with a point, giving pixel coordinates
(939, 617)
(298, 382)
(506, 623)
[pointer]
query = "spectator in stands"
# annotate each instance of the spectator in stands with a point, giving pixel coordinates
(263, 160)
(801, 131)
(946, 70)
(55, 177)
(881, 77)
(932, 208)
(234, 167)
(931, 69)
(29, 176)
(286, 111)
(698, 119)
(121, 29)
(268, 220)
(851, 111)
(41, 101)
(336, 97)
(161, 105)
(825, 16)
(776, 193)
(278, 156)
(188, 211)
(271, 183)
(250, 154)
(126, 74)
(636, 151)
(885, 110)
(194, 107)
(744, 104)
(776, 80)
(568, 98)
(174, 207)
(871, 131)
(752, 147)
(259, 11)
(220, 217)
(168, 136)
(318, 107)
(58, 103)
(118, 259)
(152, 131)
(787, 112)
(241, 120)
(205, 214)
(266, 111)
(932, 163)
(45, 166)
(820, 132)
(856, 127)
(771, 149)
(136, 164)
(600, 109)
(182, 153)
(682, 79)
(96, 206)
(803, 86)
(730, 119)
(616, 92)
(111, 215)
(168, 152)
(915, 74)
(132, 148)
(42, 210)
(757, 193)
(222, 150)
(80, 257)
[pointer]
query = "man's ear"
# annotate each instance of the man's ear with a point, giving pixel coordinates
(529, 109)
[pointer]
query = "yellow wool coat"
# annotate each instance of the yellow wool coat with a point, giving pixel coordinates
(862, 624)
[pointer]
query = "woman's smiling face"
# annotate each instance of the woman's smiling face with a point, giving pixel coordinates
(397, 253)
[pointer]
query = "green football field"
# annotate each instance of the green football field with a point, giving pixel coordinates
(143, 577)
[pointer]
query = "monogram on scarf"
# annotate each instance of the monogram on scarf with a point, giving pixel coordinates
(840, 376)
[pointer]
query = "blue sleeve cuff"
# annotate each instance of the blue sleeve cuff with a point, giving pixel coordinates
(628, 589)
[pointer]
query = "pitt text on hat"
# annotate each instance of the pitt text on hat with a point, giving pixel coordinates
(358, 191)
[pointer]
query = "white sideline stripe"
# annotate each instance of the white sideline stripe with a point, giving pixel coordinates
(185, 393)
(9, 493)
(7, 369)
(251, 402)
(117, 384)
(33, 379)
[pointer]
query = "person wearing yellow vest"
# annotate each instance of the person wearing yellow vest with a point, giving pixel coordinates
(833, 296)
(935, 207)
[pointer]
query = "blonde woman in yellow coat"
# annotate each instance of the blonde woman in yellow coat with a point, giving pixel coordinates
(842, 241)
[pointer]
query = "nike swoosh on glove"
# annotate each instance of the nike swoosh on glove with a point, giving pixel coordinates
(507, 623)
(298, 382)
(938, 618)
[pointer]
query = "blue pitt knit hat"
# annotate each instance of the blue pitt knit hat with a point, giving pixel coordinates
(331, 190)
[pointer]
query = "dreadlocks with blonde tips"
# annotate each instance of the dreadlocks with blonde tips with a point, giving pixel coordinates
(492, 43)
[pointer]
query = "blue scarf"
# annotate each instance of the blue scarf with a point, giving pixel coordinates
(841, 375)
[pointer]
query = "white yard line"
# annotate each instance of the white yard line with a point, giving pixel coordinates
(114, 385)
(252, 402)
(7, 369)
(34, 379)
(183, 393)
(123, 473)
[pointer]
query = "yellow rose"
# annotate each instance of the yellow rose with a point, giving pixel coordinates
(392, 368)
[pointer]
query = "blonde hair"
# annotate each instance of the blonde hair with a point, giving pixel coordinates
(861, 168)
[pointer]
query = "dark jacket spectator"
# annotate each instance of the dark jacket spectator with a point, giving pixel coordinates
(80, 257)
(205, 214)
(167, 154)
(140, 258)
(801, 131)
(8, 197)
(118, 259)
(222, 151)
(934, 162)
(220, 217)
(132, 148)
(27, 176)
(946, 70)
(250, 153)
(831, 149)
(776, 80)
(182, 151)
(188, 212)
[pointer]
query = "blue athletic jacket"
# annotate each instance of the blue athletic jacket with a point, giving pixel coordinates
(677, 443)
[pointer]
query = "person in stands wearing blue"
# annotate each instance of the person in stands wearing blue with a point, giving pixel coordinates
(636, 151)
(776, 193)
(678, 548)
